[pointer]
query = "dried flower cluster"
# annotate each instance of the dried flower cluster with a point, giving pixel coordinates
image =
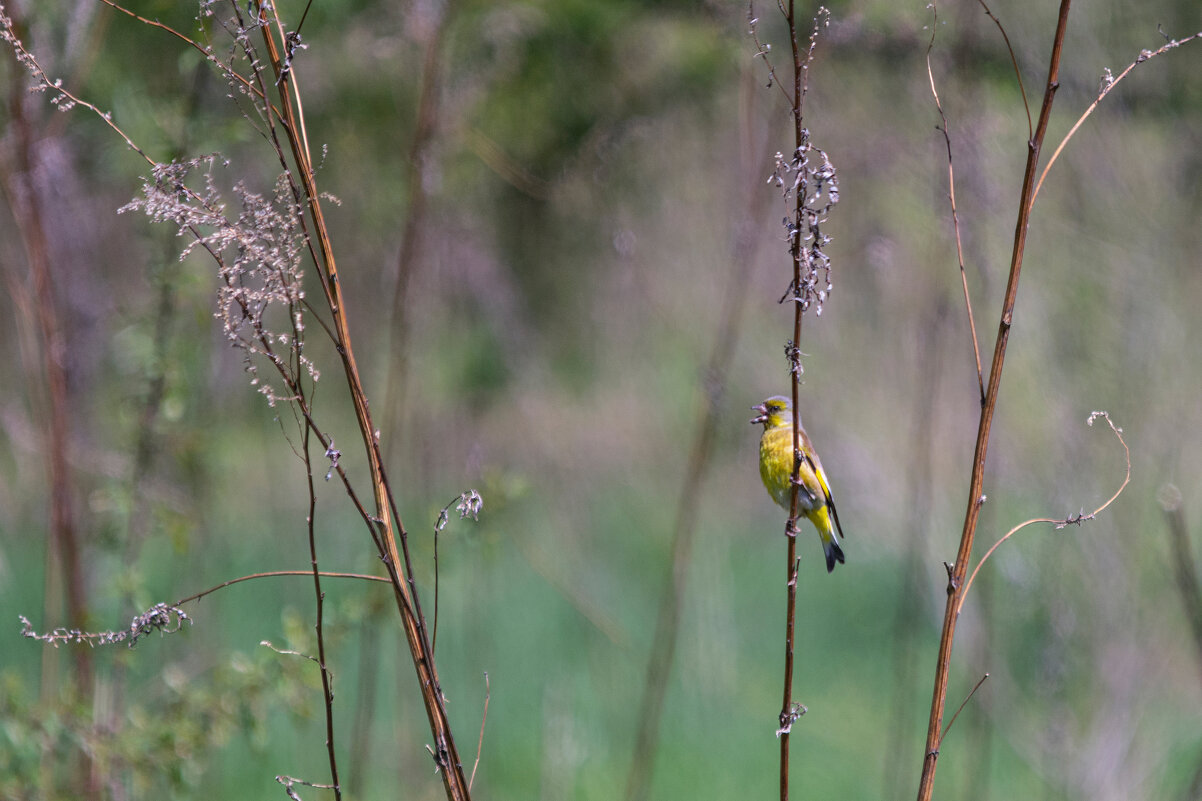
(468, 504)
(810, 188)
(260, 298)
(163, 618)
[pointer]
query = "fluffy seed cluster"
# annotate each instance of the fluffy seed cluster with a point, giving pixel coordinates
(260, 295)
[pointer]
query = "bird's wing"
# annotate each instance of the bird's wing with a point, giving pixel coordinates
(811, 456)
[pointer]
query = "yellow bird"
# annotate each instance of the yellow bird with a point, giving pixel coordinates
(776, 469)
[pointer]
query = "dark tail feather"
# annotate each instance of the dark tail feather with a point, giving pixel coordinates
(833, 554)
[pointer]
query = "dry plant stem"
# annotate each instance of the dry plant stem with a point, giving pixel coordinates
(663, 648)
(409, 259)
(1018, 75)
(1184, 564)
(385, 524)
(1146, 55)
(274, 573)
(956, 573)
(327, 692)
(480, 743)
(62, 552)
(442, 516)
(951, 196)
(1062, 522)
(963, 704)
(786, 710)
(206, 52)
(388, 522)
(909, 610)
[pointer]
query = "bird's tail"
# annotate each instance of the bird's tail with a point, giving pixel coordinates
(830, 543)
(833, 552)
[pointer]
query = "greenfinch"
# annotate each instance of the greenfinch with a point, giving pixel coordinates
(814, 499)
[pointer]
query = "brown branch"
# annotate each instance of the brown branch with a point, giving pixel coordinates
(480, 743)
(224, 69)
(275, 573)
(957, 572)
(1018, 76)
(1059, 523)
(65, 573)
(963, 704)
(391, 527)
(1108, 83)
(787, 710)
(327, 691)
(762, 50)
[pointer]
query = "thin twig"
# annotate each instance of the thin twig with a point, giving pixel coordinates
(327, 691)
(469, 504)
(1060, 523)
(274, 573)
(480, 743)
(1018, 76)
(762, 50)
(951, 190)
(288, 781)
(223, 68)
(1108, 83)
(963, 703)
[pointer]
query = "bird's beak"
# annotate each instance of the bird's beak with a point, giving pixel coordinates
(762, 417)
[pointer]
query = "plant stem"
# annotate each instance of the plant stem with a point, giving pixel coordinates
(956, 573)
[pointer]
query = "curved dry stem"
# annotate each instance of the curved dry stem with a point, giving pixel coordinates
(762, 50)
(391, 535)
(963, 704)
(951, 194)
(204, 51)
(62, 98)
(480, 744)
(1061, 522)
(273, 573)
(1018, 76)
(1108, 83)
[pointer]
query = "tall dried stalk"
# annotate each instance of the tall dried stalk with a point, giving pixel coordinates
(958, 586)
(957, 572)
(810, 188)
(268, 242)
(717, 369)
(23, 182)
(390, 528)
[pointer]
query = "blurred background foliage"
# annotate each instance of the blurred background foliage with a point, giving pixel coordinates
(545, 207)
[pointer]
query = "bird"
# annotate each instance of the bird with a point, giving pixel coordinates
(814, 499)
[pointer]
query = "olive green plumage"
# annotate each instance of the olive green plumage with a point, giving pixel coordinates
(814, 499)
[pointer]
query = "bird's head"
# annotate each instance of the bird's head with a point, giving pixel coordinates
(775, 412)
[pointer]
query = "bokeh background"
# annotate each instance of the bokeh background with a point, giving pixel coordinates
(575, 193)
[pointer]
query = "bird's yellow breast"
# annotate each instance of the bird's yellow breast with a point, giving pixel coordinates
(776, 468)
